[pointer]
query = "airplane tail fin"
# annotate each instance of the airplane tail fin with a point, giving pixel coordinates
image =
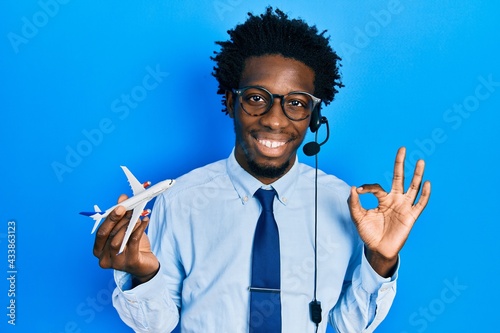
(96, 215)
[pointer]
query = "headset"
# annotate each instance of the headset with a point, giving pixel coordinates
(312, 149)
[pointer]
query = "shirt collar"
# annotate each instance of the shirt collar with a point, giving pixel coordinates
(246, 185)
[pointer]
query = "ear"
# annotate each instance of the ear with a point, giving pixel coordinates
(229, 103)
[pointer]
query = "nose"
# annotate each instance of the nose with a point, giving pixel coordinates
(275, 118)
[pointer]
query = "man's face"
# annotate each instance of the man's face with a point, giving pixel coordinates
(266, 145)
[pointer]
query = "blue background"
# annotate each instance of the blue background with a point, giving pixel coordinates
(67, 67)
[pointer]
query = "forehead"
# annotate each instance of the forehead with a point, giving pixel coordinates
(278, 74)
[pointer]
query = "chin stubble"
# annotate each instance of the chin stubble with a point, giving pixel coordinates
(266, 171)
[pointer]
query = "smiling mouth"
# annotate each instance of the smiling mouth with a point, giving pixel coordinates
(271, 144)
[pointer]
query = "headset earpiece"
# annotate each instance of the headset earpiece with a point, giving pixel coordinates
(315, 122)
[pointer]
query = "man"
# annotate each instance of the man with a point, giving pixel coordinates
(200, 268)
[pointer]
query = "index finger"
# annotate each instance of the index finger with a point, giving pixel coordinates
(398, 178)
(108, 225)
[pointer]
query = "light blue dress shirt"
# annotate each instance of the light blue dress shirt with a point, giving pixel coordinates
(202, 230)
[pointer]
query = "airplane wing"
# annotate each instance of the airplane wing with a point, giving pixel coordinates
(136, 185)
(136, 213)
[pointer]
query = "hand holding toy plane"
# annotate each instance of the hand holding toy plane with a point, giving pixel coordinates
(141, 196)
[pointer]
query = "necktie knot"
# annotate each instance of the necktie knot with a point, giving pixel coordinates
(266, 198)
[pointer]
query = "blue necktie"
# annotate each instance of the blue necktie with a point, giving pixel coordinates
(265, 302)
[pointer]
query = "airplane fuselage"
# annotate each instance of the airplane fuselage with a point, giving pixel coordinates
(146, 195)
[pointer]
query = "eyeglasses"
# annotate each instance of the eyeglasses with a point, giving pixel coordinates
(257, 101)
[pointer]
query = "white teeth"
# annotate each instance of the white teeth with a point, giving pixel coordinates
(271, 144)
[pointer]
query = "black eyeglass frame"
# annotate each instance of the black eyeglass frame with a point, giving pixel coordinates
(316, 101)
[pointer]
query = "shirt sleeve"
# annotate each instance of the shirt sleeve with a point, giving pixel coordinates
(147, 307)
(364, 301)
(152, 306)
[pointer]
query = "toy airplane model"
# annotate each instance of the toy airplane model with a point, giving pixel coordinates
(137, 202)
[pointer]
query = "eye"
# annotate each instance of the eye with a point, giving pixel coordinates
(296, 103)
(254, 99)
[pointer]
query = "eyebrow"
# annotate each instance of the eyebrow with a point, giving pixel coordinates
(261, 86)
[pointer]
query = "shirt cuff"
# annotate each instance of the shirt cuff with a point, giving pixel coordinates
(371, 281)
(146, 290)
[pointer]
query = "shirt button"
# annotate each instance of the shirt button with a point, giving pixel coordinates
(284, 199)
(245, 198)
